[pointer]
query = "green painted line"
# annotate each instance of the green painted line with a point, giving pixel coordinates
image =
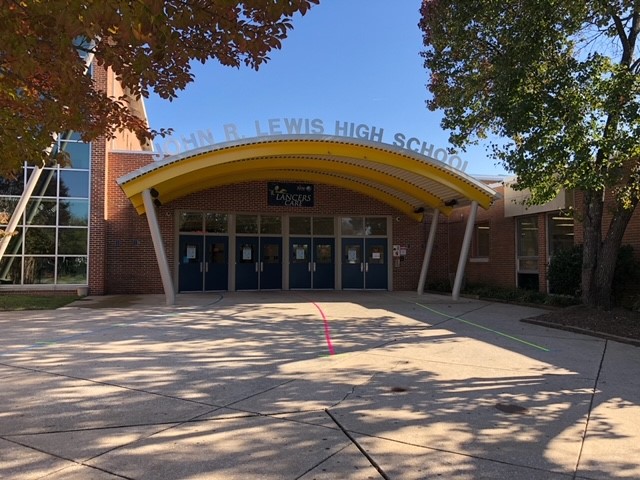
(497, 332)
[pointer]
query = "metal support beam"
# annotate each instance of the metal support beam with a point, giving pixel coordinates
(158, 246)
(20, 208)
(464, 251)
(428, 251)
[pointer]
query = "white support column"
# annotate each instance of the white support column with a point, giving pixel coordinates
(20, 208)
(464, 251)
(158, 246)
(428, 251)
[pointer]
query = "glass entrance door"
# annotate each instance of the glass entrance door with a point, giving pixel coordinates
(324, 270)
(247, 263)
(270, 263)
(191, 265)
(352, 263)
(375, 267)
(300, 263)
(216, 263)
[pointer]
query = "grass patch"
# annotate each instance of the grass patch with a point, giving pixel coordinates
(34, 302)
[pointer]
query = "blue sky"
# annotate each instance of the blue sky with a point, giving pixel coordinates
(345, 61)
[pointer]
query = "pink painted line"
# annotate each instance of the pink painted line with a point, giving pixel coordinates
(327, 330)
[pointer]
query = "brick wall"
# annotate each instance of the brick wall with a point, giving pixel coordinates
(131, 263)
(128, 262)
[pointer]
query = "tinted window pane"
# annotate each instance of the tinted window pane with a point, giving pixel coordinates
(216, 222)
(40, 240)
(300, 225)
(15, 244)
(10, 268)
(47, 185)
(190, 222)
(528, 236)
(13, 186)
(78, 154)
(39, 270)
(74, 212)
(323, 225)
(41, 211)
(375, 226)
(72, 241)
(7, 207)
(72, 270)
(74, 184)
(271, 225)
(352, 225)
(560, 233)
(247, 224)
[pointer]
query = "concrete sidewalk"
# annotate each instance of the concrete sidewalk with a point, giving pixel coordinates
(314, 385)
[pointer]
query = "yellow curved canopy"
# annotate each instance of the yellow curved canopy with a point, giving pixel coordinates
(401, 178)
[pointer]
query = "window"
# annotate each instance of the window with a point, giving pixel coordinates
(560, 232)
(50, 244)
(481, 240)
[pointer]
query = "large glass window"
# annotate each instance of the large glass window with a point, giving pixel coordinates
(190, 222)
(481, 240)
(527, 238)
(300, 225)
(216, 223)
(352, 226)
(271, 225)
(375, 226)
(55, 223)
(323, 226)
(246, 224)
(560, 232)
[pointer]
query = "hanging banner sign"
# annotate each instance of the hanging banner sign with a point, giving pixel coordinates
(290, 194)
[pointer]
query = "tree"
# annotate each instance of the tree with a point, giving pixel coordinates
(149, 45)
(558, 81)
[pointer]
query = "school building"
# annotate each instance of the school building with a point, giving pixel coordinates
(282, 211)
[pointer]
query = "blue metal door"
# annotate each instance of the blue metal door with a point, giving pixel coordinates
(300, 262)
(190, 268)
(247, 263)
(216, 271)
(270, 263)
(324, 263)
(352, 263)
(376, 266)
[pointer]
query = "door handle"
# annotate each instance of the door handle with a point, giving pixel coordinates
(309, 266)
(256, 267)
(261, 266)
(200, 267)
(206, 267)
(366, 266)
(314, 266)
(361, 266)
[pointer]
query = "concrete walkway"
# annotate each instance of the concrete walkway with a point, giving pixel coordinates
(314, 385)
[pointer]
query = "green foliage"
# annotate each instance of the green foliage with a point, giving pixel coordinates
(34, 302)
(626, 277)
(565, 270)
(510, 295)
(557, 83)
(150, 45)
(566, 265)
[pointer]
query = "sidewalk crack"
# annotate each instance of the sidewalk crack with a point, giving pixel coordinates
(591, 402)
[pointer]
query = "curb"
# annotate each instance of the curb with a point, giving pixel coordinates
(583, 331)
